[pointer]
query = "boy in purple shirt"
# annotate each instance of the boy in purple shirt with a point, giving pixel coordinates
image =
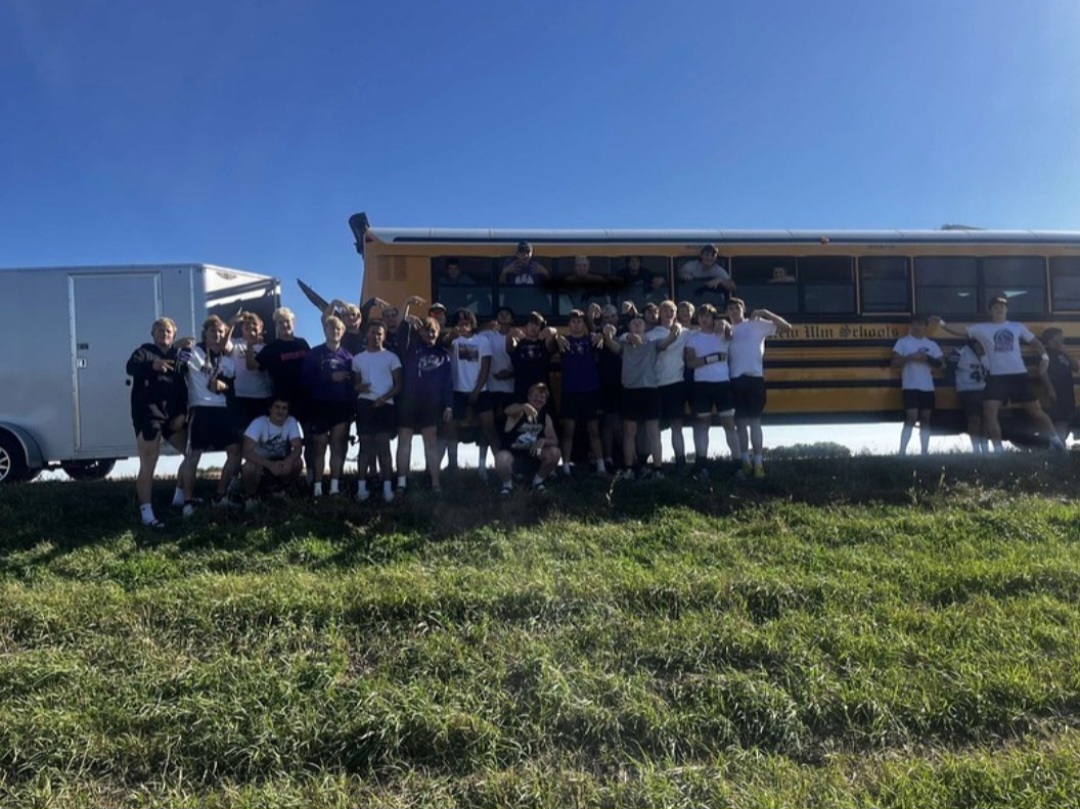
(580, 389)
(327, 374)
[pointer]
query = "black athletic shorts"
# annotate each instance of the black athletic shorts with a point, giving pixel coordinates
(640, 404)
(371, 420)
(462, 406)
(610, 398)
(419, 412)
(1007, 388)
(709, 395)
(211, 429)
(749, 395)
(580, 406)
(327, 415)
(918, 399)
(152, 426)
(673, 401)
(501, 399)
(971, 401)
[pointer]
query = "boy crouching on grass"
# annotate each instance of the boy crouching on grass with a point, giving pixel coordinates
(273, 446)
(529, 441)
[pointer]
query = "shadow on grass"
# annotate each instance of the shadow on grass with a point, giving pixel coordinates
(71, 515)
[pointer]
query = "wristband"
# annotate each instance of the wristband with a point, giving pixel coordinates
(711, 358)
(1046, 357)
(941, 323)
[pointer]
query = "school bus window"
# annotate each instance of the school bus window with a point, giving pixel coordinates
(580, 281)
(464, 282)
(1065, 283)
(828, 284)
(524, 284)
(698, 283)
(884, 284)
(767, 282)
(946, 285)
(1022, 279)
(640, 279)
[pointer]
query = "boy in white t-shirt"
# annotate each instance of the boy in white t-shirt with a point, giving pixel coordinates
(746, 363)
(378, 378)
(916, 355)
(706, 353)
(273, 446)
(1008, 379)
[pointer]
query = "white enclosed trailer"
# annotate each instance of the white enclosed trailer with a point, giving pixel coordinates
(67, 334)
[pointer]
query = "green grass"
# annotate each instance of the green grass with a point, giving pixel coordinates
(857, 633)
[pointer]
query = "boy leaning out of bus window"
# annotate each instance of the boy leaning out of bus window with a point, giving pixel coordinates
(916, 355)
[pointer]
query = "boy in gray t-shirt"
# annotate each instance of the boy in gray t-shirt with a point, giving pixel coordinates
(640, 399)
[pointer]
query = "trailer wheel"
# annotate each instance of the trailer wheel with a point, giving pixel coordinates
(13, 465)
(88, 470)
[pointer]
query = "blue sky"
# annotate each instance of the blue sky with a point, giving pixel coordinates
(245, 133)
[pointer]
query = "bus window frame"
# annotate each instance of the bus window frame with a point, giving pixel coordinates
(977, 307)
(438, 264)
(803, 282)
(987, 293)
(909, 283)
(1050, 269)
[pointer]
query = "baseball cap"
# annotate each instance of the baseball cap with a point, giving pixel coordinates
(524, 247)
(437, 306)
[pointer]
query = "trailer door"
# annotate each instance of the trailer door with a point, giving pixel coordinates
(111, 315)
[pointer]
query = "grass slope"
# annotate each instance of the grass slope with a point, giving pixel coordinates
(857, 633)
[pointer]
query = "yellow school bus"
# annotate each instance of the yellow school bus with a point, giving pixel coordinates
(849, 294)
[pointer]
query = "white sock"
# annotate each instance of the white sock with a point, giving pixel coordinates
(746, 457)
(386, 486)
(600, 466)
(401, 481)
(566, 467)
(363, 485)
(758, 459)
(318, 488)
(178, 497)
(146, 511)
(335, 486)
(537, 480)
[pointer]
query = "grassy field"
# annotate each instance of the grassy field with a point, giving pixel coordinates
(859, 633)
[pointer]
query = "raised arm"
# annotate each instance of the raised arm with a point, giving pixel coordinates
(610, 343)
(764, 314)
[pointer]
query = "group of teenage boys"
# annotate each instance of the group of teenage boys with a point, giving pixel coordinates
(277, 406)
(990, 373)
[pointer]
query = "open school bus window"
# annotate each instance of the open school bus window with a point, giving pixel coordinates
(767, 282)
(828, 285)
(696, 289)
(946, 285)
(640, 279)
(885, 284)
(582, 280)
(1021, 279)
(526, 288)
(1065, 283)
(464, 282)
